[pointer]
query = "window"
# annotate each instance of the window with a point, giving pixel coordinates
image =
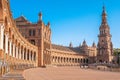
(38, 31)
(32, 41)
(31, 32)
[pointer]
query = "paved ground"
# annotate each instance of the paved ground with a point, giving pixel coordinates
(14, 75)
(69, 73)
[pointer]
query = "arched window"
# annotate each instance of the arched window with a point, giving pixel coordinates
(32, 41)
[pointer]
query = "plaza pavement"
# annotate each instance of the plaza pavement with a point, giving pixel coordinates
(69, 73)
(13, 75)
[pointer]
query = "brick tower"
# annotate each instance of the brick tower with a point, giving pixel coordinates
(104, 47)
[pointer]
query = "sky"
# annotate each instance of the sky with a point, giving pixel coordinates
(72, 20)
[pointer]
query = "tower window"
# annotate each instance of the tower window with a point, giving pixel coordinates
(102, 40)
(38, 31)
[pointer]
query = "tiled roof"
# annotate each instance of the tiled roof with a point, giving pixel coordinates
(21, 19)
(59, 47)
(69, 49)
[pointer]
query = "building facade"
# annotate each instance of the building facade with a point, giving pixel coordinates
(32, 32)
(37, 34)
(15, 50)
(24, 44)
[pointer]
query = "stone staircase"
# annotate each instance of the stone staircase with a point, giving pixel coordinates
(12, 76)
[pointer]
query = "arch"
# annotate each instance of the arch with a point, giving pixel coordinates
(67, 59)
(58, 59)
(16, 42)
(73, 60)
(53, 58)
(13, 38)
(84, 60)
(34, 56)
(25, 53)
(81, 60)
(31, 55)
(100, 61)
(10, 33)
(64, 60)
(21, 52)
(70, 59)
(18, 50)
(87, 61)
(4, 42)
(78, 60)
(28, 54)
(6, 23)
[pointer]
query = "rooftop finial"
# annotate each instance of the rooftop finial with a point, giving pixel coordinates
(104, 8)
(70, 45)
(84, 43)
(40, 16)
(93, 45)
(48, 24)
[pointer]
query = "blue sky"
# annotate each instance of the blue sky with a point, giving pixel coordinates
(72, 20)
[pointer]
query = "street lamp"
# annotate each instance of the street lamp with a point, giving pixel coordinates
(119, 58)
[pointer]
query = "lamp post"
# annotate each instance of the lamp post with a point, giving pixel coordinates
(119, 59)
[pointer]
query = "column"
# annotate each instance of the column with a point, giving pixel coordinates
(10, 47)
(26, 54)
(16, 52)
(35, 56)
(6, 43)
(20, 53)
(23, 54)
(1, 36)
(30, 56)
(13, 50)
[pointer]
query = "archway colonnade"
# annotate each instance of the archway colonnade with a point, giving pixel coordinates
(65, 58)
(57, 60)
(15, 51)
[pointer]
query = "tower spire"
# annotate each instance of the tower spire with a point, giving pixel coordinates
(104, 16)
